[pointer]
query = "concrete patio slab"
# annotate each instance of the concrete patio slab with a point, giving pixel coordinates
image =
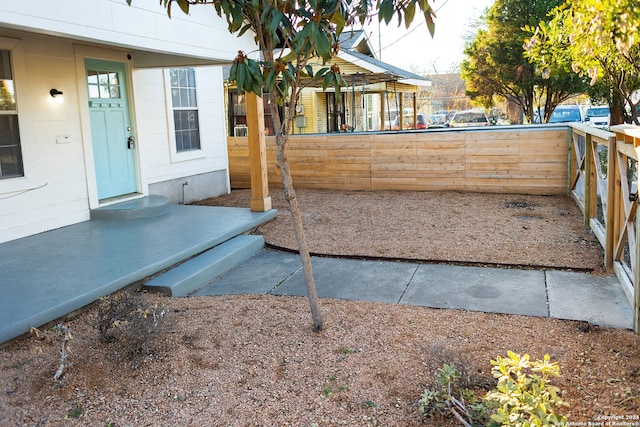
(378, 281)
(48, 275)
(485, 289)
(595, 299)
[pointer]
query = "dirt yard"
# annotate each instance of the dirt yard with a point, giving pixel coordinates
(254, 361)
(478, 228)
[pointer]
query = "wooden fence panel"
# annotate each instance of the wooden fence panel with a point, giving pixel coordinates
(603, 170)
(516, 159)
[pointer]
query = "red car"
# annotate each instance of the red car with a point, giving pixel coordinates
(407, 122)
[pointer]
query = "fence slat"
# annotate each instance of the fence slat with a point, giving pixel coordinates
(515, 159)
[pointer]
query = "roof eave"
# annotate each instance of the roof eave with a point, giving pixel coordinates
(416, 82)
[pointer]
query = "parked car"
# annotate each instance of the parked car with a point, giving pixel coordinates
(438, 121)
(566, 114)
(562, 114)
(407, 122)
(597, 116)
(469, 118)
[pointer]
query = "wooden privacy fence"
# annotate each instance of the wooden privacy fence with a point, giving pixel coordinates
(516, 159)
(603, 174)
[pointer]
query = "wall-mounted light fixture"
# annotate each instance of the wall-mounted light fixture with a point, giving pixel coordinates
(55, 92)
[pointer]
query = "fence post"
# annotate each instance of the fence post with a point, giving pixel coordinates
(636, 282)
(613, 204)
(590, 182)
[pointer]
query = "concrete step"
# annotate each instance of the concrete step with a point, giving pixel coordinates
(144, 207)
(198, 271)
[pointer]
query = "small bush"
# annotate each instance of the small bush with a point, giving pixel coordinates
(449, 398)
(523, 397)
(131, 321)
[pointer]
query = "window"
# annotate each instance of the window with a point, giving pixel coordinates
(103, 84)
(10, 151)
(185, 109)
(238, 114)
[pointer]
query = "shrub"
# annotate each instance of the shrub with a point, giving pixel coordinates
(131, 321)
(449, 398)
(523, 397)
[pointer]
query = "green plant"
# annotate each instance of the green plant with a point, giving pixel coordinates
(327, 390)
(290, 36)
(75, 412)
(524, 396)
(449, 398)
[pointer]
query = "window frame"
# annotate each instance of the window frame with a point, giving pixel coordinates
(29, 180)
(13, 122)
(237, 114)
(181, 155)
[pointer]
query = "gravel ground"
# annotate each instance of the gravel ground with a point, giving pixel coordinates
(443, 226)
(254, 360)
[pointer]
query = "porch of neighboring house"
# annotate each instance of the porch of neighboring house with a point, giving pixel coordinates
(48, 275)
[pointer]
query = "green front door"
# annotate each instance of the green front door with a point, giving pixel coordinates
(113, 145)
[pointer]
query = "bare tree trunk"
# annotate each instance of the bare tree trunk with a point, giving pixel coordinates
(301, 239)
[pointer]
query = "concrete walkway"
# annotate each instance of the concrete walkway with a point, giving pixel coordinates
(559, 294)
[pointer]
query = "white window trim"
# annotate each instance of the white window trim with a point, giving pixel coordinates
(30, 181)
(182, 156)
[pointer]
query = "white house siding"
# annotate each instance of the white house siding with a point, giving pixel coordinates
(192, 175)
(53, 192)
(143, 26)
(48, 42)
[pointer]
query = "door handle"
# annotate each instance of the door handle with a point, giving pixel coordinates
(131, 142)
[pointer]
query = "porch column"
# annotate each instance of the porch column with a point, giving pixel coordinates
(260, 200)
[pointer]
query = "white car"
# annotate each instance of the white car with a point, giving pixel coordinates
(597, 117)
(469, 118)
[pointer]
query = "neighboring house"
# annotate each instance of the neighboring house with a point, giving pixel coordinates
(374, 89)
(141, 108)
(448, 93)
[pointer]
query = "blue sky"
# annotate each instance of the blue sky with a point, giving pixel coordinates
(415, 50)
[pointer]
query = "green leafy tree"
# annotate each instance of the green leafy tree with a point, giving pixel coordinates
(289, 34)
(495, 65)
(598, 40)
